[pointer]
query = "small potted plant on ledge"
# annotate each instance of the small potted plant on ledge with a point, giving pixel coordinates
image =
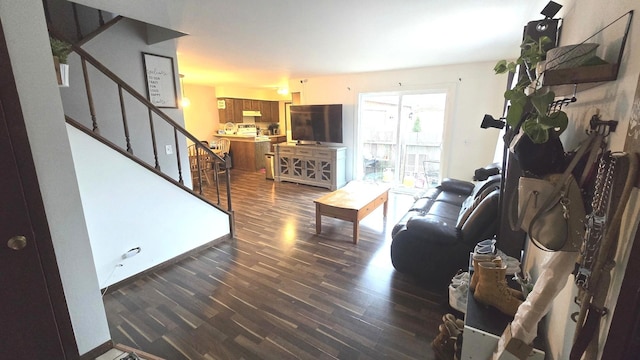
(274, 129)
(61, 50)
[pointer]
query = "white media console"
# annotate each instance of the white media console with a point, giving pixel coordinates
(316, 165)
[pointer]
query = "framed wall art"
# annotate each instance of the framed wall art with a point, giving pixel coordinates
(161, 82)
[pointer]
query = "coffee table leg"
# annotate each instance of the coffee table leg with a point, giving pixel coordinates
(356, 231)
(384, 208)
(318, 219)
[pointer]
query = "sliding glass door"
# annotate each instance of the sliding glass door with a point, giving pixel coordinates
(400, 138)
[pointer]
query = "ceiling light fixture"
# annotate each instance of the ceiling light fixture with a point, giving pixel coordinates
(283, 91)
(184, 102)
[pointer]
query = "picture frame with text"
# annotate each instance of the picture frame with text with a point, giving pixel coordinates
(159, 75)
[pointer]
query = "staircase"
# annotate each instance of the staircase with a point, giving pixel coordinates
(100, 104)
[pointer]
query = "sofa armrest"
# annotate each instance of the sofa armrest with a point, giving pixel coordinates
(457, 186)
(482, 222)
(433, 228)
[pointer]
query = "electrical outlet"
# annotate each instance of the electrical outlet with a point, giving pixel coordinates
(168, 149)
(133, 252)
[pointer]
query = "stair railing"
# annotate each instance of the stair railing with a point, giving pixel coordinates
(222, 163)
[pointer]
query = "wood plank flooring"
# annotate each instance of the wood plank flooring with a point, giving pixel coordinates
(279, 291)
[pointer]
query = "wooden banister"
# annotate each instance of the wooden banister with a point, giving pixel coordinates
(223, 162)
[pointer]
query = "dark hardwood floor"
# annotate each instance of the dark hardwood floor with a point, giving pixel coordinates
(278, 290)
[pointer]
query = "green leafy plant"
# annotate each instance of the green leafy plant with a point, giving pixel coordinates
(60, 48)
(527, 102)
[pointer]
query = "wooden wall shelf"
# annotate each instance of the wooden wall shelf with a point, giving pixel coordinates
(581, 75)
(573, 80)
(565, 82)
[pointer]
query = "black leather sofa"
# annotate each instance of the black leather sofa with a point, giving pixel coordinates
(433, 239)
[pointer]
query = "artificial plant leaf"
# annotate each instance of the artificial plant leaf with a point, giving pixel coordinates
(514, 114)
(518, 97)
(541, 102)
(537, 133)
(558, 121)
(501, 67)
(511, 94)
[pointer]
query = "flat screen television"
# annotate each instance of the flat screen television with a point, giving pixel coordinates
(316, 123)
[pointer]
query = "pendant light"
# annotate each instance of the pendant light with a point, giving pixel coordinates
(185, 102)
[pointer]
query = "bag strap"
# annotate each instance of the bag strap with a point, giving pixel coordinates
(591, 160)
(563, 181)
(518, 224)
(567, 173)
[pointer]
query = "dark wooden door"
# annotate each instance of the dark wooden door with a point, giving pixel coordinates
(32, 309)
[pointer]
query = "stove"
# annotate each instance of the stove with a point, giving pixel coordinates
(246, 130)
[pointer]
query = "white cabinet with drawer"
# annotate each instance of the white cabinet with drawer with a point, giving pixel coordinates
(322, 166)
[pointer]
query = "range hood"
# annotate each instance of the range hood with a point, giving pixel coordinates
(251, 113)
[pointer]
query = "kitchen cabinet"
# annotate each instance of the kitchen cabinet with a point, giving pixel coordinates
(247, 153)
(256, 105)
(321, 166)
(234, 107)
(251, 105)
(270, 112)
(232, 111)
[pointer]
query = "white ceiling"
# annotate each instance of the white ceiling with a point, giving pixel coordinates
(263, 44)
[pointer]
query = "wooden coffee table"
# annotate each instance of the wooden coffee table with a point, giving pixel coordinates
(352, 203)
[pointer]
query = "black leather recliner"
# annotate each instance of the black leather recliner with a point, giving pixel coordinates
(433, 239)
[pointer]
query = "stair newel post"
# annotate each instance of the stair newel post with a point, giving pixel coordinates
(153, 140)
(92, 108)
(124, 120)
(175, 137)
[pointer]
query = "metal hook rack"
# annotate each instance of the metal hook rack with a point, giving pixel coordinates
(557, 105)
(602, 127)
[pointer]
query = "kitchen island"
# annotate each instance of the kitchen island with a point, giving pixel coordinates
(247, 152)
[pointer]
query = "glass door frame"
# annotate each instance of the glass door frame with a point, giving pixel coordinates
(448, 124)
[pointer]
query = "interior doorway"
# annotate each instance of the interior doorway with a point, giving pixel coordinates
(400, 138)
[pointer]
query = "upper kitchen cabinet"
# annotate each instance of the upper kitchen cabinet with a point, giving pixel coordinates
(251, 105)
(231, 111)
(256, 105)
(270, 112)
(233, 108)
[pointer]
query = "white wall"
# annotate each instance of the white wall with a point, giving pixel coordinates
(475, 90)
(613, 99)
(163, 221)
(201, 116)
(26, 34)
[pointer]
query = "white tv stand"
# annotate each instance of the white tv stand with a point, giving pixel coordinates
(316, 165)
